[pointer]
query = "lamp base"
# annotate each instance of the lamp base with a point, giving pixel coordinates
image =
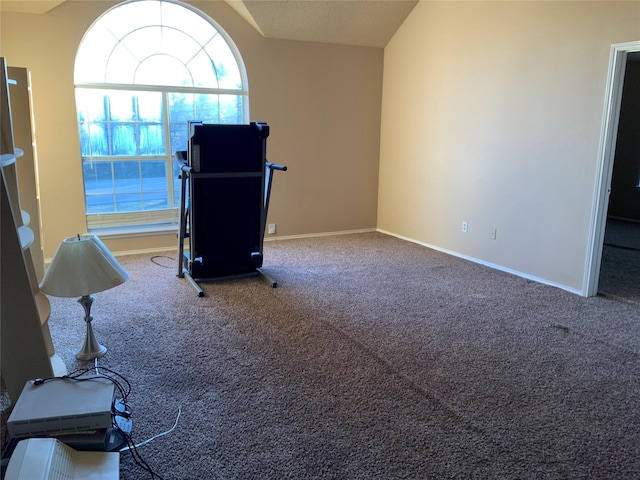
(91, 349)
(91, 352)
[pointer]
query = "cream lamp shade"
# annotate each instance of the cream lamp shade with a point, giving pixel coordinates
(82, 265)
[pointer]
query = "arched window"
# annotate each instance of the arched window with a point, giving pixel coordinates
(143, 71)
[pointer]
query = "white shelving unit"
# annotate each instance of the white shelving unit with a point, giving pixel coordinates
(27, 350)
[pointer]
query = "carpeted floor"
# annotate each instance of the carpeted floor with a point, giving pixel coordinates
(373, 359)
(620, 266)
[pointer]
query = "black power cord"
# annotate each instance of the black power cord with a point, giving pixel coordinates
(137, 458)
(155, 258)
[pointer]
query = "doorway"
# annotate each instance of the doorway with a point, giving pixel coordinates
(620, 265)
(598, 263)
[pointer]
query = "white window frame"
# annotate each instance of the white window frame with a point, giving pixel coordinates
(148, 221)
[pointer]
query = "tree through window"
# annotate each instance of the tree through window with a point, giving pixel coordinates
(144, 70)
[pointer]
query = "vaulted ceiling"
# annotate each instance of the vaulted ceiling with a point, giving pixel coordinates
(29, 6)
(369, 23)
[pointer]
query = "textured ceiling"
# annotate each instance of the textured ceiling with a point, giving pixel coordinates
(369, 23)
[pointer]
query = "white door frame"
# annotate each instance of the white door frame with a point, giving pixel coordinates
(606, 156)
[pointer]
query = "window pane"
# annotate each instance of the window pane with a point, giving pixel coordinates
(123, 139)
(156, 201)
(92, 56)
(100, 204)
(231, 108)
(176, 16)
(225, 63)
(92, 112)
(179, 44)
(181, 107)
(127, 177)
(98, 186)
(130, 16)
(120, 66)
(220, 108)
(91, 105)
(128, 202)
(97, 178)
(162, 70)
(121, 106)
(204, 71)
(179, 137)
(93, 140)
(144, 42)
(208, 108)
(154, 185)
(149, 106)
(154, 170)
(151, 140)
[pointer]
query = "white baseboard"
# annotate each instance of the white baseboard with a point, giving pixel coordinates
(487, 264)
(323, 234)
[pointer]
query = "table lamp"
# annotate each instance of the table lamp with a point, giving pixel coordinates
(83, 265)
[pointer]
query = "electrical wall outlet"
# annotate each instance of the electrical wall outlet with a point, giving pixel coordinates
(464, 227)
(272, 228)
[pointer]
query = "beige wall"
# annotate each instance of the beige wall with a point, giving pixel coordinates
(492, 113)
(322, 103)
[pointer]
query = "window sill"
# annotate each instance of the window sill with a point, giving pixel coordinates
(135, 231)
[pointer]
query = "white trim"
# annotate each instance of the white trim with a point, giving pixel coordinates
(142, 220)
(146, 230)
(138, 87)
(323, 234)
(147, 250)
(486, 264)
(175, 249)
(111, 222)
(606, 156)
(125, 253)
